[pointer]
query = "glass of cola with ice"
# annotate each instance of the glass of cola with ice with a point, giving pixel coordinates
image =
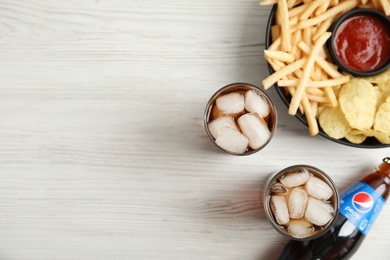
(240, 119)
(301, 202)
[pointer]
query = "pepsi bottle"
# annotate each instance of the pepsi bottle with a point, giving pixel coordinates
(360, 204)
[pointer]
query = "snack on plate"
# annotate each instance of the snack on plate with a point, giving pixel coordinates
(364, 109)
(358, 103)
(345, 107)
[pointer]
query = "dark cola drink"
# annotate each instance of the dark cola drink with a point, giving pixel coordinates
(360, 204)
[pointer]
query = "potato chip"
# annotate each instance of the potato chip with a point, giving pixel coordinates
(358, 103)
(380, 96)
(321, 109)
(382, 80)
(382, 118)
(380, 136)
(333, 122)
(356, 138)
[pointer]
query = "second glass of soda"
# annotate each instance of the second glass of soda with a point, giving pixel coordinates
(301, 202)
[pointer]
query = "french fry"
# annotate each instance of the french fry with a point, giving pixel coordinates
(317, 99)
(315, 84)
(291, 91)
(273, 78)
(279, 63)
(296, 99)
(268, 2)
(295, 39)
(314, 107)
(386, 6)
(323, 54)
(325, 25)
(311, 8)
(307, 35)
(317, 72)
(279, 55)
(310, 116)
(293, 20)
(331, 95)
(275, 45)
(273, 64)
(296, 11)
(278, 18)
(285, 26)
(292, 3)
(298, 73)
(322, 8)
(340, 8)
(314, 91)
(329, 92)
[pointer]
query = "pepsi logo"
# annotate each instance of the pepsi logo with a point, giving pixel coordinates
(362, 202)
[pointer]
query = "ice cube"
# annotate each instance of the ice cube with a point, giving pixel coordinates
(300, 228)
(297, 203)
(318, 188)
(232, 140)
(217, 124)
(278, 189)
(255, 128)
(279, 209)
(256, 103)
(231, 103)
(215, 112)
(295, 178)
(319, 212)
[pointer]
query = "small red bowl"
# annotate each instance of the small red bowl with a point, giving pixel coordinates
(360, 42)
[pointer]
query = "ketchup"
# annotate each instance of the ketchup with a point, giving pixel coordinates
(362, 43)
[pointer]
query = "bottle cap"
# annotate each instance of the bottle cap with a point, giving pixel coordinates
(384, 167)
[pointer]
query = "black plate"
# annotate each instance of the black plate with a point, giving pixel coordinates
(370, 142)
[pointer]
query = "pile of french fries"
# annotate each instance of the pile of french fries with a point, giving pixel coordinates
(299, 56)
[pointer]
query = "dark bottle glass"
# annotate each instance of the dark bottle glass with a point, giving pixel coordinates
(352, 225)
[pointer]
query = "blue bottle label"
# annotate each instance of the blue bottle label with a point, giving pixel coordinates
(361, 205)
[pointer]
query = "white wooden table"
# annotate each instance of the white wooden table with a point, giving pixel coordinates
(103, 154)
